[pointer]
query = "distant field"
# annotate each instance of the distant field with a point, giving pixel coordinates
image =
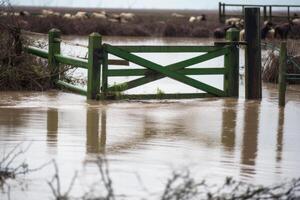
(146, 22)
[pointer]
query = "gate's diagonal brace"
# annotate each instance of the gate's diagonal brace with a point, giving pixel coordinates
(165, 71)
(176, 66)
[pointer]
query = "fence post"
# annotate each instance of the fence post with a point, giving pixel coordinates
(224, 14)
(94, 65)
(282, 73)
(104, 84)
(270, 13)
(54, 48)
(220, 12)
(265, 13)
(231, 77)
(18, 41)
(252, 54)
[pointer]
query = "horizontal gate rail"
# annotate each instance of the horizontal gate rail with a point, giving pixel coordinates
(118, 62)
(167, 49)
(293, 77)
(173, 67)
(36, 51)
(70, 87)
(143, 72)
(164, 70)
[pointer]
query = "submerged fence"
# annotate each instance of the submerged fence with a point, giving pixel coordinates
(283, 76)
(267, 14)
(98, 65)
(98, 71)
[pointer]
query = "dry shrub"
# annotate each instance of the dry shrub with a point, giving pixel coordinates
(18, 70)
(183, 186)
(8, 167)
(200, 32)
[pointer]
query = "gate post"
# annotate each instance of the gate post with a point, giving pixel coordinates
(224, 14)
(265, 13)
(252, 54)
(221, 19)
(282, 73)
(104, 84)
(94, 65)
(231, 61)
(270, 13)
(53, 48)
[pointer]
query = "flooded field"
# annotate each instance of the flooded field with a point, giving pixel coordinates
(145, 141)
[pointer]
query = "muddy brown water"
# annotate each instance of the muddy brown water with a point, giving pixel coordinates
(144, 141)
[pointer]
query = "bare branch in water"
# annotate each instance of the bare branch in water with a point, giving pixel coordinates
(55, 185)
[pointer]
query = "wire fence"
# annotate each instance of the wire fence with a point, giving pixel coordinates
(69, 42)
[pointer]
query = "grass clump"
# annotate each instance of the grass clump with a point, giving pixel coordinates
(159, 93)
(116, 91)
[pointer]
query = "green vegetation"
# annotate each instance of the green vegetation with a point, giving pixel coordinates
(116, 90)
(159, 93)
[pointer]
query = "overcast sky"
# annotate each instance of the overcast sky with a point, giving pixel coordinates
(148, 4)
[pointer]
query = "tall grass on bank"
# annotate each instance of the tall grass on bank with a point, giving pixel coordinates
(271, 66)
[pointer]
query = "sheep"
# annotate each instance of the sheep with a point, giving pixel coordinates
(233, 21)
(282, 30)
(57, 14)
(98, 15)
(271, 34)
(265, 31)
(177, 15)
(127, 16)
(220, 32)
(202, 17)
(113, 20)
(81, 15)
(193, 19)
(67, 16)
(296, 21)
(24, 13)
(3, 13)
(47, 12)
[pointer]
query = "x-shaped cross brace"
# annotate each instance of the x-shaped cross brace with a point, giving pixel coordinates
(169, 70)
